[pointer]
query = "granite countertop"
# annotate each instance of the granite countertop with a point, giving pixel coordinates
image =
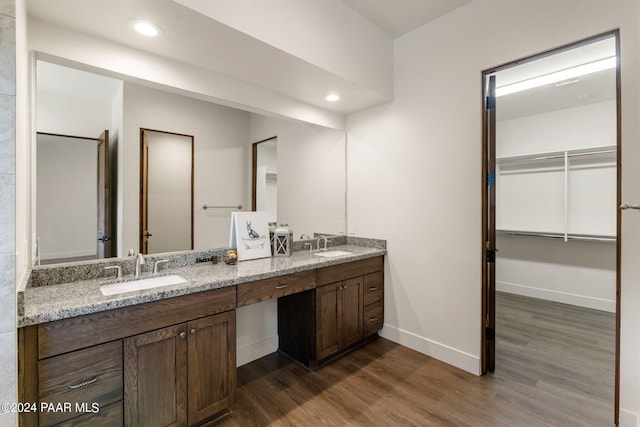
(42, 304)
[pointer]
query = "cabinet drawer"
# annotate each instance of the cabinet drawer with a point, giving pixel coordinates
(62, 336)
(340, 272)
(373, 318)
(85, 376)
(373, 287)
(276, 287)
(109, 416)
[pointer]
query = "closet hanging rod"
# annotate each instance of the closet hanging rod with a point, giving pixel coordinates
(561, 236)
(205, 207)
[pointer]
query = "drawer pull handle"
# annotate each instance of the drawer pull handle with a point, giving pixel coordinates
(282, 286)
(373, 319)
(83, 384)
(373, 288)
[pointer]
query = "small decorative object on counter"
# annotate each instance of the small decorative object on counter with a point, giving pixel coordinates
(272, 229)
(231, 258)
(282, 241)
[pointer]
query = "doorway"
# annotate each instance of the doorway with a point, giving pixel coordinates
(551, 184)
(264, 194)
(166, 191)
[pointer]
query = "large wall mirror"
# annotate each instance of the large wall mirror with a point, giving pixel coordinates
(310, 159)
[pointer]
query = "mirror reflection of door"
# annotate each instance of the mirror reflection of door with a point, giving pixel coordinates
(73, 213)
(104, 242)
(265, 177)
(166, 196)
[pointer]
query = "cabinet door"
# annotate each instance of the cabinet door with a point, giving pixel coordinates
(327, 320)
(350, 311)
(155, 378)
(212, 365)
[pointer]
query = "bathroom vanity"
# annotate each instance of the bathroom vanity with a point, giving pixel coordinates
(167, 355)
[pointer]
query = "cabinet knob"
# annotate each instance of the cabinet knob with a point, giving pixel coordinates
(193, 331)
(182, 335)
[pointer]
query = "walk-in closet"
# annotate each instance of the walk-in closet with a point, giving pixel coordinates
(556, 186)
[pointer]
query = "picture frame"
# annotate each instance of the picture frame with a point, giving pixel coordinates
(249, 234)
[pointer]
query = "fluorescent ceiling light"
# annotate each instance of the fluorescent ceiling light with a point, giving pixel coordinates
(145, 28)
(333, 97)
(558, 76)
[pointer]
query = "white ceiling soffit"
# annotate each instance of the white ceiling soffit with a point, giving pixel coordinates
(194, 39)
(398, 17)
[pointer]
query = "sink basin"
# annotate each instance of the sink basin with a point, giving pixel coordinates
(333, 253)
(141, 284)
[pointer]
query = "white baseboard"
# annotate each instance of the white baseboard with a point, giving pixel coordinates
(450, 355)
(628, 419)
(256, 350)
(562, 297)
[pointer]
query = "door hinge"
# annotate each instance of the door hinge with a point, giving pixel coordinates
(491, 255)
(491, 179)
(490, 334)
(491, 102)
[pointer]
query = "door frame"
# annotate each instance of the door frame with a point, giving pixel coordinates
(143, 202)
(254, 171)
(485, 181)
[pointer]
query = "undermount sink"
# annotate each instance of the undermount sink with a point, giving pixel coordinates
(332, 253)
(141, 284)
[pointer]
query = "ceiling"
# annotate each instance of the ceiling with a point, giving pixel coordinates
(194, 39)
(399, 17)
(587, 89)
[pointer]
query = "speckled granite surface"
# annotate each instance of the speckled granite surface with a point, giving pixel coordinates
(46, 303)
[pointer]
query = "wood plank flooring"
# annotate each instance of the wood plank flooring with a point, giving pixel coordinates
(554, 367)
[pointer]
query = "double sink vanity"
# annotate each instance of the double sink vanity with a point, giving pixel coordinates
(161, 350)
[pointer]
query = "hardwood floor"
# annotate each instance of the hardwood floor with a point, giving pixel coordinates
(554, 367)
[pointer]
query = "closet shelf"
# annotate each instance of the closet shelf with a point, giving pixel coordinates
(600, 153)
(561, 236)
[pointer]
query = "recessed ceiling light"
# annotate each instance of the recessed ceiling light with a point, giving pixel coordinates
(145, 28)
(332, 97)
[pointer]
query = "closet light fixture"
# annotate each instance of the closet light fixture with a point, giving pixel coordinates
(558, 76)
(333, 97)
(145, 28)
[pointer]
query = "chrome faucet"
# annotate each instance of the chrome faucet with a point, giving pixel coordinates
(325, 243)
(157, 265)
(139, 262)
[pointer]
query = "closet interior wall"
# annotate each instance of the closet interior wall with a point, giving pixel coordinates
(555, 216)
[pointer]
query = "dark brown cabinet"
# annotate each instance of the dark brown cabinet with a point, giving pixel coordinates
(180, 375)
(345, 308)
(338, 316)
(176, 358)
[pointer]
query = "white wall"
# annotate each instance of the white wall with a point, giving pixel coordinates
(576, 272)
(579, 273)
(311, 175)
(587, 126)
(65, 115)
(220, 151)
(414, 169)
